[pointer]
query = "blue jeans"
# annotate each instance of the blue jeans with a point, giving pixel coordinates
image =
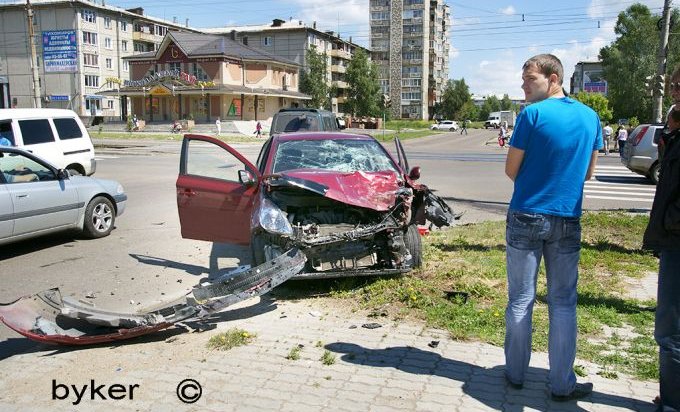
(667, 327)
(530, 237)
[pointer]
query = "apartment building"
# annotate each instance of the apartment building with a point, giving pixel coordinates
(80, 47)
(410, 44)
(290, 40)
(588, 77)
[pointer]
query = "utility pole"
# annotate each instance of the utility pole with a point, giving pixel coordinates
(657, 103)
(34, 58)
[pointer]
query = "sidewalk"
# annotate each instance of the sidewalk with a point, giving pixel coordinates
(390, 368)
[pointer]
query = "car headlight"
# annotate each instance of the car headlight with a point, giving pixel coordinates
(272, 219)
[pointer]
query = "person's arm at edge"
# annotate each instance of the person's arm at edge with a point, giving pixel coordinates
(591, 167)
(513, 162)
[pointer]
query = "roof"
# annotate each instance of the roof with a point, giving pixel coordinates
(321, 136)
(200, 44)
(34, 112)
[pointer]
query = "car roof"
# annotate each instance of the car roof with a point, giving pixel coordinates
(28, 113)
(321, 136)
(302, 109)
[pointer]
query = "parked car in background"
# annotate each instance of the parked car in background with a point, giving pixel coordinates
(449, 125)
(640, 154)
(56, 135)
(36, 198)
(340, 198)
(304, 120)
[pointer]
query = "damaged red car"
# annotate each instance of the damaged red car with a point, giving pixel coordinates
(342, 199)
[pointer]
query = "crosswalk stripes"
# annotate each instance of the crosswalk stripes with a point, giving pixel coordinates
(619, 183)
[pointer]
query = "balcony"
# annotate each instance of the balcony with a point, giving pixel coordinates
(341, 54)
(338, 68)
(340, 84)
(147, 37)
(380, 48)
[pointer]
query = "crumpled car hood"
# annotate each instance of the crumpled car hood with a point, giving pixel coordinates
(371, 190)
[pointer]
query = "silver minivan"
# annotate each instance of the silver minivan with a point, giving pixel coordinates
(56, 135)
(640, 154)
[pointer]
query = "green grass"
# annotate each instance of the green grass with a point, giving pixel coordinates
(328, 358)
(471, 258)
(230, 339)
(294, 353)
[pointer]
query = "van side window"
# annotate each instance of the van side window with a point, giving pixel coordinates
(36, 131)
(6, 131)
(67, 128)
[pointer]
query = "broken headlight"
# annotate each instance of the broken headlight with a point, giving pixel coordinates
(272, 219)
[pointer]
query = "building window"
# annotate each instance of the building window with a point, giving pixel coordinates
(89, 38)
(267, 41)
(109, 104)
(88, 16)
(123, 26)
(199, 73)
(109, 63)
(91, 60)
(160, 30)
(107, 42)
(123, 45)
(126, 66)
(91, 80)
(175, 66)
(107, 22)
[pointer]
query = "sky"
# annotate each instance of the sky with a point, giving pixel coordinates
(490, 39)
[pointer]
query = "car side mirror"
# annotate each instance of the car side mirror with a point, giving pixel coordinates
(414, 174)
(63, 174)
(246, 178)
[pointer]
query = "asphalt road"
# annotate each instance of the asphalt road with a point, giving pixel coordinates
(145, 261)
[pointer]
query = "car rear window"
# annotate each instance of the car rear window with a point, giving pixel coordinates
(295, 122)
(36, 131)
(67, 128)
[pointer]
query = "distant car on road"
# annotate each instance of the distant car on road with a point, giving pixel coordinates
(449, 125)
(36, 198)
(640, 154)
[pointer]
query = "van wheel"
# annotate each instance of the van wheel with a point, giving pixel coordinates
(99, 218)
(654, 173)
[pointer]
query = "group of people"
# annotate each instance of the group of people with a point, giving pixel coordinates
(619, 138)
(543, 222)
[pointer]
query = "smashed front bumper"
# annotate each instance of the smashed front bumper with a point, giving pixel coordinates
(50, 318)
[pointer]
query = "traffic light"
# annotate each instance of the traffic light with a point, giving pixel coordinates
(660, 84)
(649, 87)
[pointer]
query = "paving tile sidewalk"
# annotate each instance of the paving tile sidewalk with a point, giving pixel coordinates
(390, 368)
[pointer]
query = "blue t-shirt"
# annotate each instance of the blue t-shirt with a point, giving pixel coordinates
(558, 136)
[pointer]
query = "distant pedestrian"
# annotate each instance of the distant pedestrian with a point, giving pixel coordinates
(464, 129)
(135, 122)
(544, 221)
(258, 129)
(663, 236)
(621, 137)
(607, 137)
(218, 125)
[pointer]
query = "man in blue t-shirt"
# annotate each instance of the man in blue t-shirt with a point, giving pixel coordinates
(553, 152)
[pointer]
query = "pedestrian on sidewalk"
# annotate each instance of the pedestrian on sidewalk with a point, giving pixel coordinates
(663, 236)
(607, 132)
(258, 129)
(218, 125)
(544, 221)
(464, 129)
(621, 137)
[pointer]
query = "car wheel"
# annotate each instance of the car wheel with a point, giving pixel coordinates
(257, 250)
(654, 173)
(74, 172)
(453, 129)
(100, 217)
(414, 245)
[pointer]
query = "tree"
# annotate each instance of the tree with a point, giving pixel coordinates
(631, 58)
(491, 104)
(597, 102)
(456, 95)
(313, 79)
(364, 97)
(468, 112)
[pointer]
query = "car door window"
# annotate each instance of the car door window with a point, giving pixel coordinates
(36, 131)
(67, 128)
(6, 131)
(210, 160)
(15, 167)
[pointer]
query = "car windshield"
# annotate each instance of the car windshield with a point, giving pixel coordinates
(295, 122)
(335, 155)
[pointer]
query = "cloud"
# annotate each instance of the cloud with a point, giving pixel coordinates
(349, 17)
(453, 53)
(599, 8)
(495, 76)
(577, 52)
(508, 11)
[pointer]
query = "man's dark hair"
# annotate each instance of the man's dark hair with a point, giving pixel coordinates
(547, 64)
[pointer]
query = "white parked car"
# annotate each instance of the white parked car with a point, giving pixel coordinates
(449, 125)
(36, 198)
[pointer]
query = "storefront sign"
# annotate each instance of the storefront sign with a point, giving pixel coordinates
(59, 98)
(235, 108)
(158, 77)
(60, 51)
(160, 90)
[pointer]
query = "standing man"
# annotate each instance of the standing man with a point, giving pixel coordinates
(607, 130)
(464, 129)
(553, 152)
(218, 125)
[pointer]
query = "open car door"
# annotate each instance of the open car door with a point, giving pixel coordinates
(401, 156)
(216, 191)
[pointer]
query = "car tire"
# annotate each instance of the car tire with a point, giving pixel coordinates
(74, 172)
(257, 250)
(654, 173)
(414, 245)
(100, 218)
(453, 129)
